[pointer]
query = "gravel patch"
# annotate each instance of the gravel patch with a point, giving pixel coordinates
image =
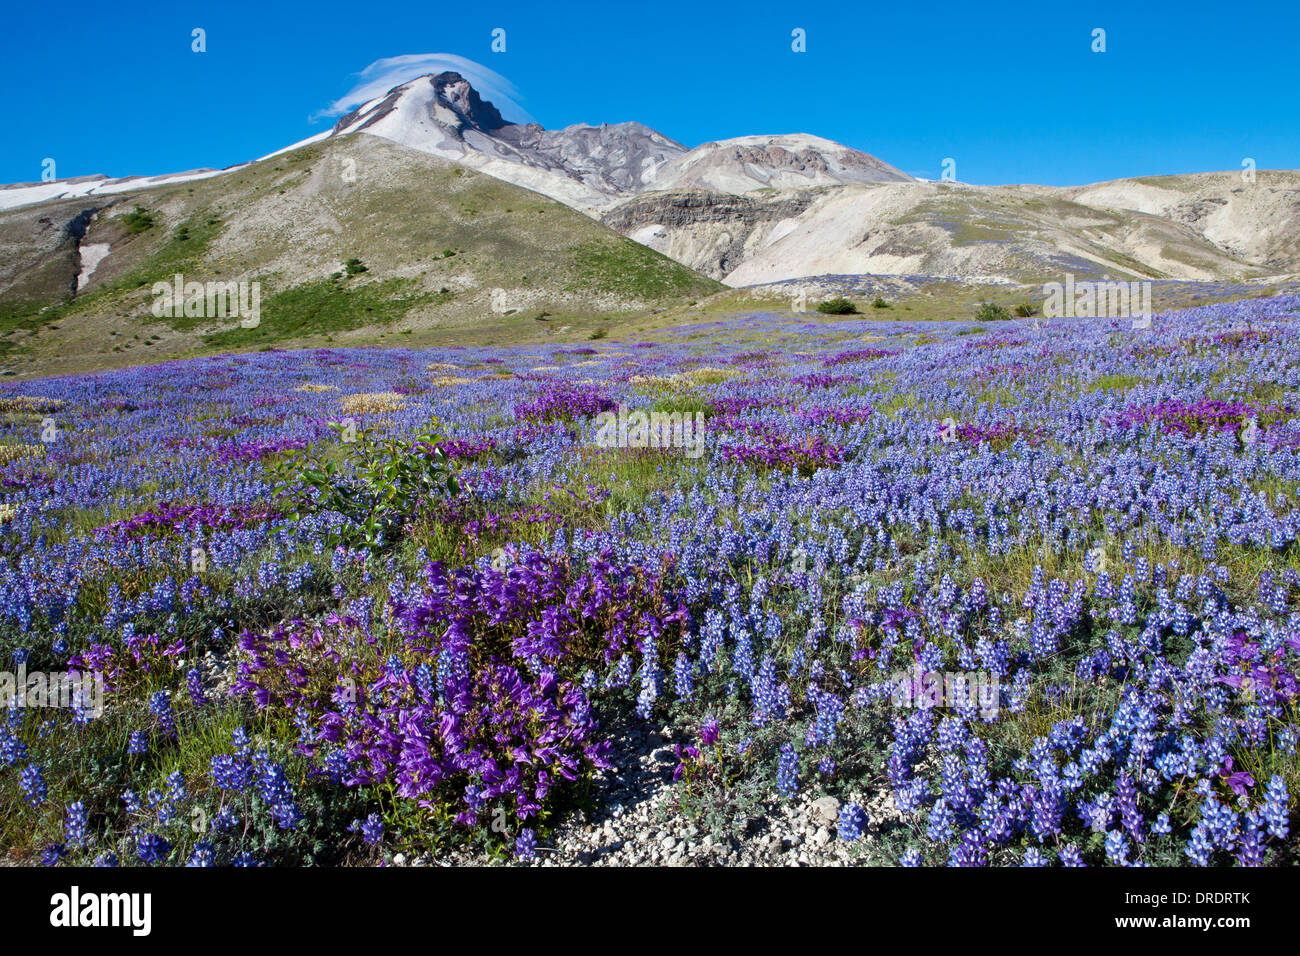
(637, 822)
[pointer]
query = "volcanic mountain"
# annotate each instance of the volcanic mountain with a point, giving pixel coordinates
(581, 166)
(592, 166)
(458, 217)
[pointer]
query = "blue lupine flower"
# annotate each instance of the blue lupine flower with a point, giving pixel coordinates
(230, 772)
(1071, 856)
(152, 848)
(33, 785)
(194, 685)
(769, 696)
(1199, 847)
(970, 850)
(371, 828)
(852, 823)
(787, 771)
(75, 825)
(53, 853)
(160, 705)
(202, 856)
(273, 787)
(683, 678)
(1274, 809)
(1117, 848)
(941, 821)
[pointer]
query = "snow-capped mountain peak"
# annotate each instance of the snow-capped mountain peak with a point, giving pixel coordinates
(583, 166)
(589, 166)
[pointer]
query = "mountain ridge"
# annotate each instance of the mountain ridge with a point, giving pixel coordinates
(753, 210)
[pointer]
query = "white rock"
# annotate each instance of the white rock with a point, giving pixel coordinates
(827, 810)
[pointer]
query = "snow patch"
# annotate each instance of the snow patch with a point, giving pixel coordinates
(92, 254)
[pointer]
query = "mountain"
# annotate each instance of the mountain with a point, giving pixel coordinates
(589, 167)
(445, 250)
(425, 209)
(758, 209)
(581, 166)
(993, 233)
(750, 163)
(1258, 220)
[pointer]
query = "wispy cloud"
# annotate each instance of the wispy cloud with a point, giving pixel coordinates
(382, 75)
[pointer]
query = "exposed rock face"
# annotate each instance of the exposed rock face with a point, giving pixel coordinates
(1258, 221)
(583, 166)
(40, 249)
(793, 161)
(756, 210)
(449, 89)
(715, 231)
(618, 159)
(760, 209)
(683, 208)
(993, 233)
(591, 167)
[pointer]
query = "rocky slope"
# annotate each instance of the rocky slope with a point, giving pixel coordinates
(1011, 234)
(591, 166)
(442, 246)
(581, 166)
(1258, 221)
(750, 163)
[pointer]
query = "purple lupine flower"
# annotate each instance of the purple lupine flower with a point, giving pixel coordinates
(526, 844)
(709, 732)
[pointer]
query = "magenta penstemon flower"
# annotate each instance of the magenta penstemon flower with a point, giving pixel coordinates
(1240, 782)
(709, 732)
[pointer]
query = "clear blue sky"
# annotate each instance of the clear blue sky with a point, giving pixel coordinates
(1010, 90)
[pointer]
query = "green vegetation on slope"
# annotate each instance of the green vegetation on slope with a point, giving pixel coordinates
(325, 307)
(624, 267)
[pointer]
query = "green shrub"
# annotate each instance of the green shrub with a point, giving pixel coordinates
(992, 312)
(355, 266)
(1026, 309)
(382, 486)
(837, 306)
(141, 220)
(879, 303)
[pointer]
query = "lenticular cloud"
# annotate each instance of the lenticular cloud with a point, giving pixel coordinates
(382, 75)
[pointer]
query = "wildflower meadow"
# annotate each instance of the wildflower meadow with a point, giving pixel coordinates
(346, 604)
